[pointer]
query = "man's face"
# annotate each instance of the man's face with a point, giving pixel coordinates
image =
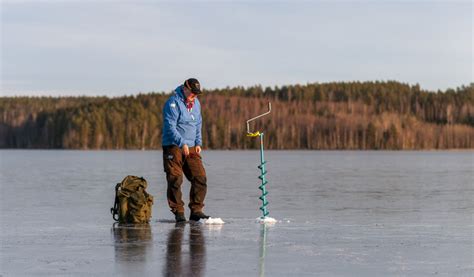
(189, 95)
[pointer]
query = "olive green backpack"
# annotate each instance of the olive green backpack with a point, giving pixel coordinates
(132, 203)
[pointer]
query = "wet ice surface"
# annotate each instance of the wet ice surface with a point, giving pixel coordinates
(338, 213)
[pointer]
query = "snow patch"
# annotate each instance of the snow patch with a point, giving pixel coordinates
(266, 219)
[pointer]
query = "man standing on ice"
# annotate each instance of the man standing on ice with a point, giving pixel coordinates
(182, 141)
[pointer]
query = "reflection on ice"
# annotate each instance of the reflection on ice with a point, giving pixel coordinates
(184, 263)
(132, 242)
(263, 244)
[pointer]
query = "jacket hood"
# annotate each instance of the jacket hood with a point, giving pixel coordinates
(179, 92)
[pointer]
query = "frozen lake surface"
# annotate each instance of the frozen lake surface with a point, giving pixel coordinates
(340, 214)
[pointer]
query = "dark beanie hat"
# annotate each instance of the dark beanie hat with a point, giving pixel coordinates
(193, 85)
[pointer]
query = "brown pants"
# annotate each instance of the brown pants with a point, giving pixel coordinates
(175, 164)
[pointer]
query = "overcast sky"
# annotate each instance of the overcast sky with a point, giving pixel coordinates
(126, 47)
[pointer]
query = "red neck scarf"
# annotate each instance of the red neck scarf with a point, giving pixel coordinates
(189, 104)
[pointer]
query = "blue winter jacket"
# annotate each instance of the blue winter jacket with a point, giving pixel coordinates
(181, 126)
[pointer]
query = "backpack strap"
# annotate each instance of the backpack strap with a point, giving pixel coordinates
(115, 209)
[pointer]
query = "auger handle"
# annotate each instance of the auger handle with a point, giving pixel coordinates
(258, 116)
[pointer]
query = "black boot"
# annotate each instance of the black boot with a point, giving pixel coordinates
(179, 217)
(196, 216)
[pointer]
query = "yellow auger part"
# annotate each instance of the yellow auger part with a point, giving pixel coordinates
(256, 134)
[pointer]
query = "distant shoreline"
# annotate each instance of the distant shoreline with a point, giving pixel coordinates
(330, 116)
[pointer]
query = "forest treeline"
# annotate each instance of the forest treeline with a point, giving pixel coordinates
(340, 115)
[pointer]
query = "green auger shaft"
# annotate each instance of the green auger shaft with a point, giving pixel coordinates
(263, 208)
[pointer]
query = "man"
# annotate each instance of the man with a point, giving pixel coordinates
(182, 141)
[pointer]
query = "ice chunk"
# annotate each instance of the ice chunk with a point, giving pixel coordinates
(213, 221)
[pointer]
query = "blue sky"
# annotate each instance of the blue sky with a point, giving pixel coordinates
(126, 47)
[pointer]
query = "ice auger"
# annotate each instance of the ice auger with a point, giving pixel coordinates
(263, 172)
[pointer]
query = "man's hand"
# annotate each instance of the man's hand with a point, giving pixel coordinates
(186, 150)
(198, 149)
